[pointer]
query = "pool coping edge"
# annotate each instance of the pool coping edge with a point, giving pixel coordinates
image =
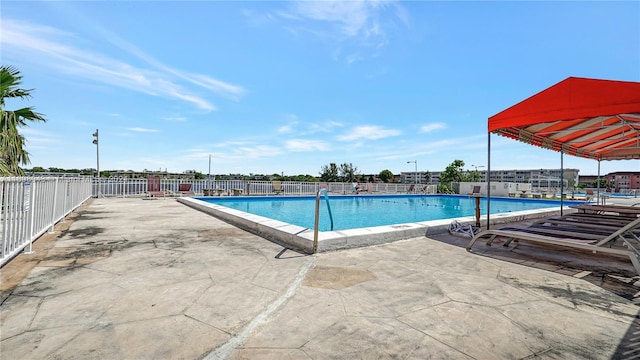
(301, 239)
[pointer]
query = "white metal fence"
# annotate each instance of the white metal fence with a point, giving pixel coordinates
(30, 206)
(138, 187)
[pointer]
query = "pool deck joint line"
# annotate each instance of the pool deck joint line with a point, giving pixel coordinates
(223, 351)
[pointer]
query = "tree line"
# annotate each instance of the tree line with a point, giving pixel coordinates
(347, 172)
(13, 152)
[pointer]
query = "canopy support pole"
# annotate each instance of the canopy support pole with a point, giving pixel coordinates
(488, 179)
(561, 179)
(598, 186)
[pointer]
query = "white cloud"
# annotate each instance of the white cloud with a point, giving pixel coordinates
(369, 132)
(285, 129)
(30, 131)
(303, 128)
(175, 118)
(362, 23)
(355, 57)
(38, 139)
(352, 17)
(325, 126)
(53, 47)
(432, 127)
(293, 121)
(231, 144)
(234, 151)
(217, 86)
(207, 82)
(138, 129)
(301, 145)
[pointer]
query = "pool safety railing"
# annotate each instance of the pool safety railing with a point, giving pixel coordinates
(31, 206)
(126, 187)
(317, 218)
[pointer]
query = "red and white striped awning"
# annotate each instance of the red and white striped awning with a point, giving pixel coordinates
(591, 118)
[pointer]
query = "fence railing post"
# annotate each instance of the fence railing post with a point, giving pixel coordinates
(31, 216)
(55, 204)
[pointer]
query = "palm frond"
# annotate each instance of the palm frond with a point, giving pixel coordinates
(4, 168)
(12, 149)
(27, 114)
(10, 79)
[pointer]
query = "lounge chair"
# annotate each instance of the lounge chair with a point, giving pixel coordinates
(589, 195)
(627, 236)
(367, 189)
(592, 223)
(564, 231)
(357, 188)
(412, 188)
(185, 189)
(277, 187)
(153, 187)
(425, 189)
(631, 212)
(599, 217)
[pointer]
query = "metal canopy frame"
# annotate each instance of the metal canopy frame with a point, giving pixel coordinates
(590, 118)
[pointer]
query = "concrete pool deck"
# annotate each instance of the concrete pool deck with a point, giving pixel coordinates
(136, 279)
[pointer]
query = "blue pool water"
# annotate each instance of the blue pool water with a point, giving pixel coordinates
(350, 212)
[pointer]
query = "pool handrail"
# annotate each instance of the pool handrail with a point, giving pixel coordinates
(317, 216)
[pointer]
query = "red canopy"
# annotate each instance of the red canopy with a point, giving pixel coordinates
(591, 118)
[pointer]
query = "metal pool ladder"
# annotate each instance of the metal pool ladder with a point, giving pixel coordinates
(315, 228)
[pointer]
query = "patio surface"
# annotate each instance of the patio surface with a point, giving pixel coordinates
(153, 279)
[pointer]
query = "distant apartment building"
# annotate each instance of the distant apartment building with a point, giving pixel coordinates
(130, 174)
(621, 180)
(538, 178)
(423, 177)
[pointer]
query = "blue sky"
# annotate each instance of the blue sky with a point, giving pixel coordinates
(287, 87)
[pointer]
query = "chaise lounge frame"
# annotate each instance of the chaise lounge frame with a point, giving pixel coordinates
(277, 187)
(628, 235)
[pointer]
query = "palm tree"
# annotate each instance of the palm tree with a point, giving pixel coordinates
(12, 149)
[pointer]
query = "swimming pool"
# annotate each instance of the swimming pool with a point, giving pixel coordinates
(301, 237)
(362, 211)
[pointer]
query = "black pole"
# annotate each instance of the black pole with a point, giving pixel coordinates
(561, 180)
(598, 186)
(488, 179)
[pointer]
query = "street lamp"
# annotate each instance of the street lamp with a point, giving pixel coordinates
(95, 141)
(416, 163)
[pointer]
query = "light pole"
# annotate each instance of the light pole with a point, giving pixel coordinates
(416, 171)
(95, 141)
